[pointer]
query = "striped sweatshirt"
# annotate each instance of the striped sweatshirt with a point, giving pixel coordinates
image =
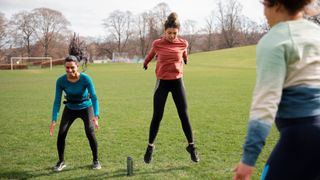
(170, 56)
(288, 81)
(80, 94)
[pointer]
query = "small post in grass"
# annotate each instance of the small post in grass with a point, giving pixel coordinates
(129, 166)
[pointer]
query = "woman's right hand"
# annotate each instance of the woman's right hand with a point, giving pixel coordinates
(53, 124)
(185, 61)
(145, 67)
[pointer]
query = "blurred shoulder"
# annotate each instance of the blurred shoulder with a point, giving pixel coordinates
(85, 77)
(181, 40)
(62, 78)
(157, 41)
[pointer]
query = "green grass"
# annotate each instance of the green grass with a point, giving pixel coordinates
(219, 87)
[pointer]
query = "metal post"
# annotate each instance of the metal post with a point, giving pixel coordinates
(11, 64)
(129, 166)
(51, 64)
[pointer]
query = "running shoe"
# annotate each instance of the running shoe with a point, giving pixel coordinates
(148, 154)
(193, 152)
(96, 165)
(59, 166)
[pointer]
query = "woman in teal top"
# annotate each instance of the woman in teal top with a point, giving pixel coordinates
(80, 102)
(287, 92)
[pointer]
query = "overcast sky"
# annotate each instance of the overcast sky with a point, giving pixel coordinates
(86, 16)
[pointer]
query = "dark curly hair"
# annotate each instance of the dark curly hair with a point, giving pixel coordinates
(76, 52)
(292, 6)
(172, 21)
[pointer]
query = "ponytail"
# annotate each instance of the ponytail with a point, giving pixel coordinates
(76, 54)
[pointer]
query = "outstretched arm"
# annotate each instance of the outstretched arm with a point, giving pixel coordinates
(149, 57)
(95, 103)
(56, 106)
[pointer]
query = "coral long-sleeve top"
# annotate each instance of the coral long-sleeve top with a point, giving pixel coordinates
(170, 56)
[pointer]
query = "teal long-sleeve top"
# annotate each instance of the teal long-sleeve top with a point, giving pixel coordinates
(79, 95)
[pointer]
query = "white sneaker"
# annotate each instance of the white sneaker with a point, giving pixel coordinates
(96, 165)
(59, 166)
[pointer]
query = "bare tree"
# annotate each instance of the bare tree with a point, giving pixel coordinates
(228, 19)
(143, 32)
(49, 23)
(59, 45)
(315, 11)
(3, 36)
(22, 27)
(155, 30)
(315, 19)
(118, 24)
(190, 32)
(105, 48)
(3, 28)
(161, 11)
(209, 31)
(264, 26)
(151, 26)
(250, 32)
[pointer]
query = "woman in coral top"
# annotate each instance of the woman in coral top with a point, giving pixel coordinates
(171, 52)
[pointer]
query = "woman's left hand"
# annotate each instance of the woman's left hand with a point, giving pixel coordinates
(242, 172)
(95, 122)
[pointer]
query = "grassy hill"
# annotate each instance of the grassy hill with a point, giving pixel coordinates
(219, 87)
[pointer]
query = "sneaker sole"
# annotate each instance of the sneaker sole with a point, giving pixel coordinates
(60, 169)
(195, 160)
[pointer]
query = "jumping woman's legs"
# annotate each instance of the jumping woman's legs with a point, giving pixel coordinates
(159, 101)
(163, 87)
(86, 116)
(179, 97)
(67, 119)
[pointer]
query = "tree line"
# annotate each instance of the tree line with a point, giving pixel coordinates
(45, 32)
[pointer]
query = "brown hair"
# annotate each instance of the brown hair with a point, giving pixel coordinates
(292, 6)
(172, 21)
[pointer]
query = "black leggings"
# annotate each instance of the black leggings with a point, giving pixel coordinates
(297, 154)
(67, 119)
(176, 87)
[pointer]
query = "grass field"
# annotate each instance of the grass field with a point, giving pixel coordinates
(219, 86)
